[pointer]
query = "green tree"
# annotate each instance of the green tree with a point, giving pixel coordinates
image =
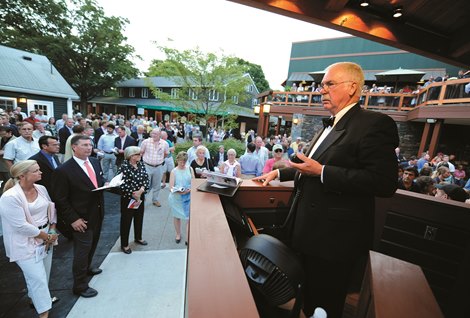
(257, 74)
(87, 47)
(207, 82)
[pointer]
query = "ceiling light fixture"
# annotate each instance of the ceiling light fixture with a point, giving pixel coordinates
(365, 3)
(398, 12)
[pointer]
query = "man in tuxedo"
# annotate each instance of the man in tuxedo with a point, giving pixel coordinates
(121, 142)
(349, 163)
(47, 159)
(81, 208)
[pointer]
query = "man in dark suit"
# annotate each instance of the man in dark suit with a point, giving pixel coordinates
(121, 142)
(47, 159)
(100, 131)
(350, 161)
(81, 208)
(64, 133)
(219, 157)
(139, 135)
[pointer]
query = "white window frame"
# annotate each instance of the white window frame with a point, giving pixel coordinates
(48, 110)
(175, 93)
(192, 94)
(120, 92)
(145, 92)
(235, 99)
(15, 102)
(131, 92)
(213, 95)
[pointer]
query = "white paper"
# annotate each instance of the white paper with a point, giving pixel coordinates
(115, 182)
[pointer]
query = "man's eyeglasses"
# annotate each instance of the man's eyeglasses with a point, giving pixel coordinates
(278, 150)
(328, 85)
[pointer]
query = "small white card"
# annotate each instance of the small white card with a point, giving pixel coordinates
(41, 252)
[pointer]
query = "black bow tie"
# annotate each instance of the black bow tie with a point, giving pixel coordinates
(327, 122)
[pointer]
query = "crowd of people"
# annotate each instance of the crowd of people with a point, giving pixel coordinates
(83, 153)
(440, 176)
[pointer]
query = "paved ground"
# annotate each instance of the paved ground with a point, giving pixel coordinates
(158, 231)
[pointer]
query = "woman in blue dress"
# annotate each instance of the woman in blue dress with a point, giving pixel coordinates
(179, 199)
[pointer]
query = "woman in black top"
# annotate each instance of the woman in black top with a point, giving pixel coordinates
(133, 188)
(201, 163)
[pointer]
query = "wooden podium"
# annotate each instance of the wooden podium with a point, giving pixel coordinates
(216, 285)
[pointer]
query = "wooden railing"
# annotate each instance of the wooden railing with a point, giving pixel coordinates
(439, 93)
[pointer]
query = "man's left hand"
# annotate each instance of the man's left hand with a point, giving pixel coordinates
(308, 167)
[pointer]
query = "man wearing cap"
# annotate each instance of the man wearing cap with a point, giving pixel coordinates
(451, 192)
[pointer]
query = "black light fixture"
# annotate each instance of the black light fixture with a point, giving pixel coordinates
(365, 3)
(398, 12)
(274, 270)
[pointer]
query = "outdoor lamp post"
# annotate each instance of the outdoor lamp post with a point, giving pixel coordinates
(257, 109)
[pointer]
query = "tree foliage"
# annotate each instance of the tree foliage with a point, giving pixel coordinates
(87, 47)
(257, 74)
(201, 77)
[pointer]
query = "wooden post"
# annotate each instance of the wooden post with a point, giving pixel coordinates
(424, 138)
(435, 137)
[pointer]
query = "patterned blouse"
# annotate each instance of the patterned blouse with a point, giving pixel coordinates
(133, 178)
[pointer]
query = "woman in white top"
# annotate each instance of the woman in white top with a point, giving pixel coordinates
(28, 220)
(231, 167)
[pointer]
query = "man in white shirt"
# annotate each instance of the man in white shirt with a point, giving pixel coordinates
(22, 147)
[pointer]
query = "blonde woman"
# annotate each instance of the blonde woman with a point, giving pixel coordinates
(179, 198)
(28, 220)
(201, 163)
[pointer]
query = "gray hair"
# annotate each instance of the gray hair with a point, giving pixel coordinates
(231, 151)
(130, 151)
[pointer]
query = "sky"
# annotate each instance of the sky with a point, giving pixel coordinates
(218, 26)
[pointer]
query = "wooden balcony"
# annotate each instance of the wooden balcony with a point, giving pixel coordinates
(446, 100)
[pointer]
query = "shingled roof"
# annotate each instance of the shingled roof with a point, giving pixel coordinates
(25, 72)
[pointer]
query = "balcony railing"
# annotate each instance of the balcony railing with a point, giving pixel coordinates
(439, 93)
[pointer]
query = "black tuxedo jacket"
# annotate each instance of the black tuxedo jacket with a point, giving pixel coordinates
(334, 219)
(46, 169)
(64, 133)
(72, 193)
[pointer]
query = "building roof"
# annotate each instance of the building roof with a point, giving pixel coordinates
(151, 103)
(164, 82)
(24, 72)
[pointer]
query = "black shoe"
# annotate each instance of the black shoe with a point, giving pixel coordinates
(126, 250)
(94, 271)
(87, 293)
(177, 240)
(141, 242)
